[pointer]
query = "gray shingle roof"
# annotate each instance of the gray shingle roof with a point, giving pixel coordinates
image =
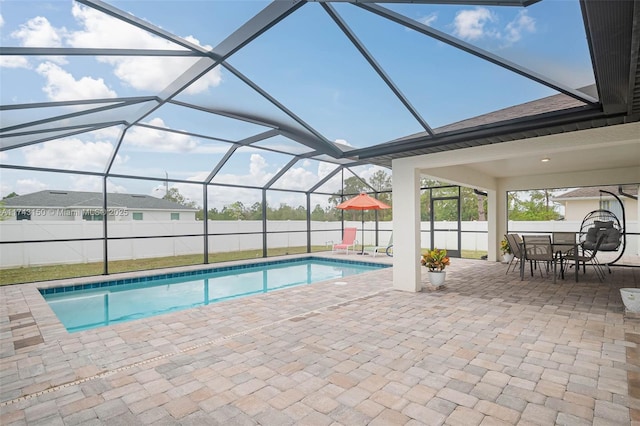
(539, 106)
(594, 192)
(70, 199)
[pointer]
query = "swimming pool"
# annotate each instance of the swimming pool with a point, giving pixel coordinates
(86, 306)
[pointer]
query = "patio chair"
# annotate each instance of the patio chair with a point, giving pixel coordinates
(348, 241)
(538, 250)
(515, 243)
(564, 237)
(588, 256)
(379, 249)
(563, 242)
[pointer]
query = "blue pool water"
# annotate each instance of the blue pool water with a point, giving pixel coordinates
(86, 306)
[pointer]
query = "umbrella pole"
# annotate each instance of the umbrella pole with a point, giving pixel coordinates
(362, 233)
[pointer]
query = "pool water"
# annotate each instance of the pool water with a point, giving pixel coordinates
(82, 307)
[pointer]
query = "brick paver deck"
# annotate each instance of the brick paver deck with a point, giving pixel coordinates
(488, 349)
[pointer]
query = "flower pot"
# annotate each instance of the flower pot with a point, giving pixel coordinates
(631, 299)
(507, 257)
(436, 278)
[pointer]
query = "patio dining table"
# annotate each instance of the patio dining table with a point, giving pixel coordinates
(566, 251)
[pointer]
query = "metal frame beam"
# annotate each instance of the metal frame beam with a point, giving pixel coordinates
(374, 64)
(476, 51)
(86, 51)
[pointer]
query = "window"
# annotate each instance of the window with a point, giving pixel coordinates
(175, 216)
(92, 217)
(612, 206)
(23, 215)
(137, 216)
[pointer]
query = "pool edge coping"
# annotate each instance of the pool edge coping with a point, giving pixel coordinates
(50, 287)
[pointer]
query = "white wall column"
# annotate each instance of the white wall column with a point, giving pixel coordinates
(495, 223)
(637, 225)
(406, 227)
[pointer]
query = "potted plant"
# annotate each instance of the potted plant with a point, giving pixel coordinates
(505, 248)
(436, 260)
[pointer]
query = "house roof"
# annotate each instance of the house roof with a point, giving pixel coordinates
(547, 105)
(594, 192)
(71, 199)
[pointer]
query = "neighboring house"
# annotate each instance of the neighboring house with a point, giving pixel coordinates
(78, 205)
(580, 202)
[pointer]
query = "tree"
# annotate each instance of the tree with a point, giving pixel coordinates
(235, 211)
(5, 214)
(380, 181)
(174, 195)
(352, 186)
(255, 213)
(472, 205)
(318, 213)
(482, 207)
(531, 205)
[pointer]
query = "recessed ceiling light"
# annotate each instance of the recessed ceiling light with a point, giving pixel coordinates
(546, 159)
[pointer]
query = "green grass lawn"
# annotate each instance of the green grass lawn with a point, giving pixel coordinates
(55, 272)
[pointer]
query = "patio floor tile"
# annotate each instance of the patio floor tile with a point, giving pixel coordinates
(486, 349)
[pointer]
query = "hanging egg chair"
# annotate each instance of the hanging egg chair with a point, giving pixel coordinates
(604, 222)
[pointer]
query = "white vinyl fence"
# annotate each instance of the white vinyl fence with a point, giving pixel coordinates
(234, 236)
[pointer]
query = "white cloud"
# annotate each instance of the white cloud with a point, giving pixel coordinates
(27, 186)
(429, 19)
(62, 86)
(14, 62)
(481, 23)
(93, 184)
(257, 175)
(1, 21)
(158, 140)
(367, 172)
(297, 178)
(100, 30)
(305, 175)
(111, 133)
(325, 168)
(522, 23)
(471, 24)
(257, 164)
(342, 142)
(38, 32)
(71, 154)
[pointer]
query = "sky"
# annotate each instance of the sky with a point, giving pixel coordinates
(304, 62)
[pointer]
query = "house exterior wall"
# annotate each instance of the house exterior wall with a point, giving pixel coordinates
(578, 209)
(70, 215)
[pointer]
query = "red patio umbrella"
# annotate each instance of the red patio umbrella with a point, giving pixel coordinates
(363, 202)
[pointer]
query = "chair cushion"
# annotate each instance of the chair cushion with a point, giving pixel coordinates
(611, 240)
(592, 235)
(612, 236)
(600, 224)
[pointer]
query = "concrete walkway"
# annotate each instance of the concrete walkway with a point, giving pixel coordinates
(488, 349)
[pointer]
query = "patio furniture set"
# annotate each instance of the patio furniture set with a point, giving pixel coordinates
(560, 249)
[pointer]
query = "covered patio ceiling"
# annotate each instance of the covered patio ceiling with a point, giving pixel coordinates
(353, 83)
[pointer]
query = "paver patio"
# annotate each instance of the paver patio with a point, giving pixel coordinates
(487, 349)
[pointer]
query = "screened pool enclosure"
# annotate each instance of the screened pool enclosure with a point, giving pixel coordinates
(138, 135)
